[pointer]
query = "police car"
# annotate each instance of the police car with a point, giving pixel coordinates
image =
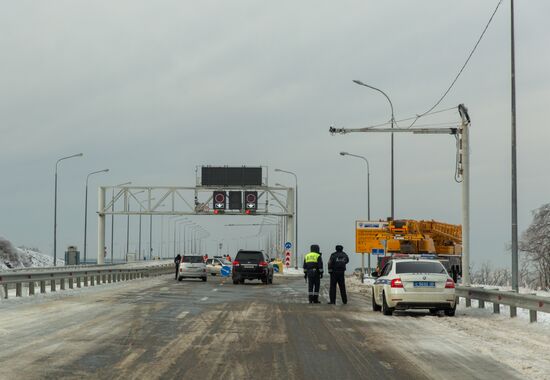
(414, 284)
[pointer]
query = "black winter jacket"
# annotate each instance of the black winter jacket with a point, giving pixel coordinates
(338, 261)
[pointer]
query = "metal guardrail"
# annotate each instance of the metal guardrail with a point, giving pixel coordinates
(74, 277)
(514, 300)
(57, 268)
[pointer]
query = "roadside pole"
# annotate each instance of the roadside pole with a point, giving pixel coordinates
(363, 267)
(465, 157)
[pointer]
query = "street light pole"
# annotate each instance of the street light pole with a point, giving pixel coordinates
(515, 262)
(368, 212)
(296, 221)
(368, 178)
(55, 207)
(392, 125)
(86, 208)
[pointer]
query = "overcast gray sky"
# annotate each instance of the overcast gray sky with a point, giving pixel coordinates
(150, 89)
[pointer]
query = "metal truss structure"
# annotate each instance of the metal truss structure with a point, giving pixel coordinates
(186, 201)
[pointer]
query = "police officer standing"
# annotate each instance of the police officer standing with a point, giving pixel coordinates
(177, 261)
(337, 269)
(313, 272)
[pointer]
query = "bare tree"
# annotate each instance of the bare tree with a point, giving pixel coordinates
(535, 243)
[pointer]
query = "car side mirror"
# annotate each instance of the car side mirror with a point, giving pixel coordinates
(374, 274)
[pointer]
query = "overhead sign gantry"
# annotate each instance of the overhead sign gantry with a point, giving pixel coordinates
(235, 191)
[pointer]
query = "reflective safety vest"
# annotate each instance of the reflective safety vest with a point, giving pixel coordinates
(313, 261)
(312, 257)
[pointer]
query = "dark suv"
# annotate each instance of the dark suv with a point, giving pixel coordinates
(252, 265)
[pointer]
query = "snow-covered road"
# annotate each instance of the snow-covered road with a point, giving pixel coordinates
(161, 328)
(515, 342)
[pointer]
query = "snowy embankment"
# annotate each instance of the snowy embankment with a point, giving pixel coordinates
(12, 257)
(512, 341)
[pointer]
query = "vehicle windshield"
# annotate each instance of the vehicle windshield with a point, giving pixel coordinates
(419, 267)
(192, 259)
(249, 257)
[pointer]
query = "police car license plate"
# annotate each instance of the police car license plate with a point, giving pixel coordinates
(249, 266)
(423, 284)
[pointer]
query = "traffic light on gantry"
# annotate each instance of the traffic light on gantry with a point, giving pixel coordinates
(250, 202)
(219, 199)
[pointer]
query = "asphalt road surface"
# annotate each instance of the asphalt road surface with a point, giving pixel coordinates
(164, 329)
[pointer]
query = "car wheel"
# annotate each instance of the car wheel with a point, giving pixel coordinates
(265, 279)
(450, 312)
(180, 278)
(204, 279)
(241, 281)
(386, 310)
(235, 282)
(213, 274)
(433, 311)
(375, 306)
(270, 279)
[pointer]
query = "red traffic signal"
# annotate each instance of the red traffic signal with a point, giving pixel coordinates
(219, 200)
(250, 201)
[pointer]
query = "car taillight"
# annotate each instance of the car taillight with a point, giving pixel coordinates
(450, 284)
(263, 264)
(396, 283)
(236, 263)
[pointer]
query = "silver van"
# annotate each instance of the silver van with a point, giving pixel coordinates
(192, 266)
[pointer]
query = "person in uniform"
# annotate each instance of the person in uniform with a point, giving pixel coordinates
(337, 269)
(177, 261)
(313, 272)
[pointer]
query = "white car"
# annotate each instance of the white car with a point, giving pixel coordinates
(414, 284)
(214, 266)
(192, 266)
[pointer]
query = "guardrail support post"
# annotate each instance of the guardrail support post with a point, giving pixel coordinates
(99, 279)
(52, 285)
(468, 302)
(71, 283)
(62, 284)
(85, 280)
(513, 311)
(109, 278)
(481, 304)
(5, 291)
(496, 308)
(42, 286)
(31, 288)
(92, 280)
(532, 316)
(18, 288)
(78, 285)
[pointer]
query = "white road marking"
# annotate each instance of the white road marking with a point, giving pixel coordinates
(182, 314)
(204, 298)
(215, 289)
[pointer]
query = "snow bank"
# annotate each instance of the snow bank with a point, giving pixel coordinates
(12, 257)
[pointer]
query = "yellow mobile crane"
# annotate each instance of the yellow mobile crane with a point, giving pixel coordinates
(429, 238)
(418, 237)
